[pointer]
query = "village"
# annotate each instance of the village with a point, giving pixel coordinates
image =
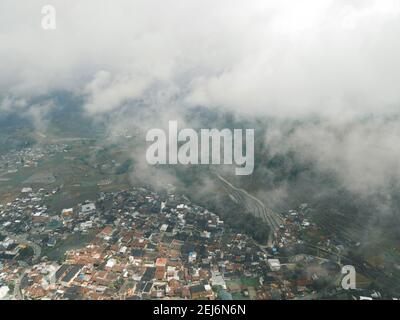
(142, 244)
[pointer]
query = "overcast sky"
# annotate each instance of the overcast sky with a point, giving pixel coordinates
(337, 60)
(281, 58)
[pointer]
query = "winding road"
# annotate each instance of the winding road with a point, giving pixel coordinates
(37, 250)
(254, 206)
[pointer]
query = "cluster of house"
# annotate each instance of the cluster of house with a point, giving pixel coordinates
(12, 161)
(149, 245)
(28, 215)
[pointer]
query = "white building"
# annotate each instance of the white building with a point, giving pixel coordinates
(4, 290)
(192, 257)
(274, 264)
(88, 208)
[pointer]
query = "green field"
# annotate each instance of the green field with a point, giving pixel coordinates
(77, 174)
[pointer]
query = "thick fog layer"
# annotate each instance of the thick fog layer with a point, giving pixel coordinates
(335, 61)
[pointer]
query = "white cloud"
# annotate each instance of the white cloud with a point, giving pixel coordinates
(337, 60)
(270, 57)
